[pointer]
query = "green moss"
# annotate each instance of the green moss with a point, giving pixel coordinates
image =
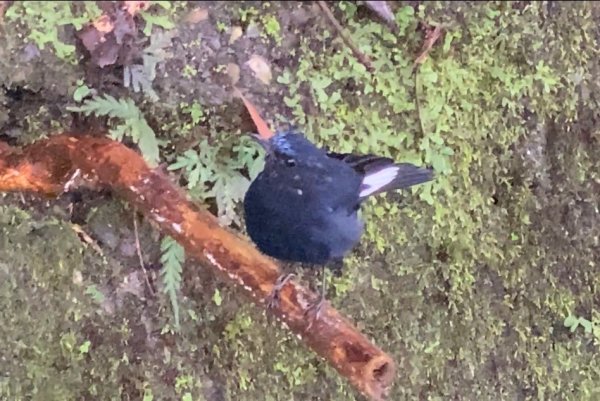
(72, 321)
(272, 28)
(464, 296)
(47, 317)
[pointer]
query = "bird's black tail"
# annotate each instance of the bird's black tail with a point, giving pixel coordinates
(391, 176)
(381, 174)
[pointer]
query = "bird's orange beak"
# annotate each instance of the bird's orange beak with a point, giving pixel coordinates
(264, 132)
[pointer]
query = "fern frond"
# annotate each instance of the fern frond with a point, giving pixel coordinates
(172, 258)
(109, 106)
(133, 123)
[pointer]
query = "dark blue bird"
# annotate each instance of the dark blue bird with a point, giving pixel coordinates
(303, 207)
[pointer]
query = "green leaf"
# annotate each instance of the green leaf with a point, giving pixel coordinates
(163, 3)
(163, 21)
(118, 132)
(321, 83)
(85, 347)
(572, 322)
(229, 188)
(586, 324)
(447, 42)
(284, 78)
(81, 92)
(335, 97)
(194, 176)
(425, 194)
(96, 295)
(108, 106)
(440, 163)
(148, 143)
(427, 76)
(148, 396)
(217, 297)
(196, 113)
(188, 158)
(404, 17)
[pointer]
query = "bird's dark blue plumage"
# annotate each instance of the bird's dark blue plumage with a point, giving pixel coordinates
(303, 207)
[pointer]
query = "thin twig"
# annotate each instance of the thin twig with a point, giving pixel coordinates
(363, 58)
(139, 251)
(431, 37)
(418, 102)
(87, 239)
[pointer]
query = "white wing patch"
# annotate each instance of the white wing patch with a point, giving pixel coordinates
(373, 182)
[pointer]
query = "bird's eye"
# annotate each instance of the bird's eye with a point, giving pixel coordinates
(290, 162)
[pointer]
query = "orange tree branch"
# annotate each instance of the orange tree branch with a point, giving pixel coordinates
(52, 166)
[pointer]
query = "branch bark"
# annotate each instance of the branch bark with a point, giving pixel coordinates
(54, 165)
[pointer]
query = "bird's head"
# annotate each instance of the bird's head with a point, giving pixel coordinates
(288, 146)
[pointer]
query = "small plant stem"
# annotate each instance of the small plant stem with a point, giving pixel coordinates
(363, 58)
(139, 252)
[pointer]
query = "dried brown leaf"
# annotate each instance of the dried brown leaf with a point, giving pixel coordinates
(233, 70)
(235, 33)
(124, 25)
(90, 37)
(133, 7)
(106, 53)
(103, 49)
(104, 38)
(198, 14)
(104, 24)
(261, 68)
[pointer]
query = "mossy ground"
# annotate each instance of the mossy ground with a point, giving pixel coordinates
(466, 281)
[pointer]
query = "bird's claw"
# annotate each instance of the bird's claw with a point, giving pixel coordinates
(272, 300)
(314, 311)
